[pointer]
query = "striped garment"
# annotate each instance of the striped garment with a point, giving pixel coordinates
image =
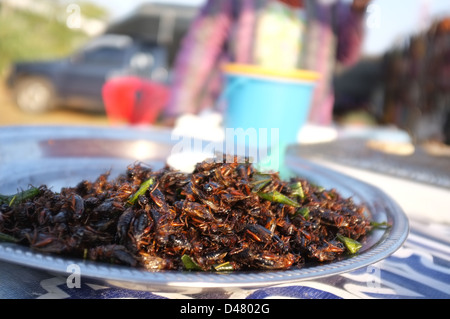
(236, 31)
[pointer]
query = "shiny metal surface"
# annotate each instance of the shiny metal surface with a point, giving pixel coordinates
(63, 156)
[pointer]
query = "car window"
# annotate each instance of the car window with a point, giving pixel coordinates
(104, 56)
(151, 62)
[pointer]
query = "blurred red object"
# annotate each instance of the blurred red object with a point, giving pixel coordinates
(293, 3)
(134, 100)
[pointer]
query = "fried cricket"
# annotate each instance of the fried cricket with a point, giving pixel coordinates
(221, 217)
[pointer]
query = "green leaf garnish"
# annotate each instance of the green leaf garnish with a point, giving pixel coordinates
(8, 238)
(226, 266)
(277, 197)
(20, 197)
(297, 190)
(352, 245)
(259, 181)
(189, 264)
(380, 225)
(141, 191)
(304, 211)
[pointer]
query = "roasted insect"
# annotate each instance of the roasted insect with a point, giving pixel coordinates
(221, 217)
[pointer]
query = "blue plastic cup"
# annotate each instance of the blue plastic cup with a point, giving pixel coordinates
(273, 104)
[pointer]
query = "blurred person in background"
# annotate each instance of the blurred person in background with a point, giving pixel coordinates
(305, 34)
(417, 86)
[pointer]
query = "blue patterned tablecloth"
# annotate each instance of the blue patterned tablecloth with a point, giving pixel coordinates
(419, 269)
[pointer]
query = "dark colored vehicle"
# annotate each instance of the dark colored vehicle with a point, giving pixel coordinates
(143, 45)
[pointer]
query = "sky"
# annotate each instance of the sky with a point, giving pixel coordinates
(120, 8)
(387, 21)
(394, 20)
